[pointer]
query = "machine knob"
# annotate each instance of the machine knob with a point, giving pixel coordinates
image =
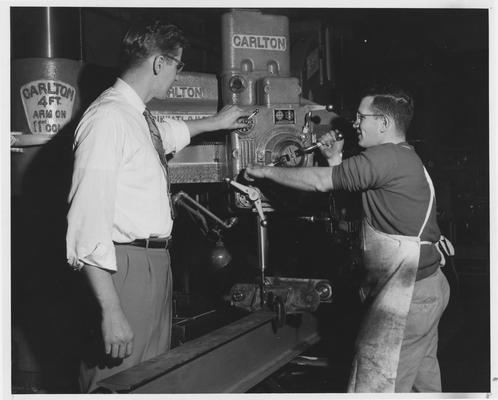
(324, 291)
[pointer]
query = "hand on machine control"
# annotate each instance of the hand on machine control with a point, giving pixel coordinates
(254, 171)
(230, 117)
(332, 144)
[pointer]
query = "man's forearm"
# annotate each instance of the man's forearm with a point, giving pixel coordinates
(103, 287)
(201, 125)
(310, 179)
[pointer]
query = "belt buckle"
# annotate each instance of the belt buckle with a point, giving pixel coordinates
(160, 244)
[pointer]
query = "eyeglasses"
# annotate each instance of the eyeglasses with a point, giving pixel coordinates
(179, 63)
(360, 117)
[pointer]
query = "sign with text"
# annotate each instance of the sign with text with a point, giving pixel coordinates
(48, 105)
(259, 42)
(185, 92)
(160, 117)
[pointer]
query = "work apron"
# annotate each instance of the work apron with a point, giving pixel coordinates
(391, 263)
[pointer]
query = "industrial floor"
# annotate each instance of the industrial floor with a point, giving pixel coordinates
(464, 341)
(464, 347)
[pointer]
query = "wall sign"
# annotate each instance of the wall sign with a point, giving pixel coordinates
(48, 105)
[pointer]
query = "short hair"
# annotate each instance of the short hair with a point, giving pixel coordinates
(393, 101)
(146, 37)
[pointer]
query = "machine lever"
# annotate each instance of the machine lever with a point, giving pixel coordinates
(299, 152)
(254, 197)
(253, 113)
(307, 123)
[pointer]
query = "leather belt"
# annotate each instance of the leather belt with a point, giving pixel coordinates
(150, 243)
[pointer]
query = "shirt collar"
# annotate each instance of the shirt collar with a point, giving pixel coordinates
(130, 95)
(406, 144)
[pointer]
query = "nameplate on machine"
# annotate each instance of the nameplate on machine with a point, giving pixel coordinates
(259, 42)
(48, 105)
(161, 118)
(185, 92)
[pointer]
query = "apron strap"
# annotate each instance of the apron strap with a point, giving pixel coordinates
(431, 201)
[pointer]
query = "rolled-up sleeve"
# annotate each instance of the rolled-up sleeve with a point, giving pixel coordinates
(174, 134)
(367, 170)
(98, 153)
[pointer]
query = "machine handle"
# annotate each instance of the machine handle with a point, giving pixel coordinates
(254, 197)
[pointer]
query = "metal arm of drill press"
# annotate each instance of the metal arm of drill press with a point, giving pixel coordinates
(199, 211)
(255, 197)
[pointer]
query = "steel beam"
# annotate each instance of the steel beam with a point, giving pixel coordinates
(231, 359)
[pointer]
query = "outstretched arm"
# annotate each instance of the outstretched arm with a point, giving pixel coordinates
(225, 119)
(310, 179)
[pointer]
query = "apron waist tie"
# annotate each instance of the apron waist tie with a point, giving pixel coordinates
(426, 272)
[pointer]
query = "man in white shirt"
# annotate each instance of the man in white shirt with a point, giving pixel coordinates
(120, 220)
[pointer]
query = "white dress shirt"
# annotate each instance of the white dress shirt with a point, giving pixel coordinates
(119, 190)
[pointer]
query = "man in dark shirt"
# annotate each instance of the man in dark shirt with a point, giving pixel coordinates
(404, 289)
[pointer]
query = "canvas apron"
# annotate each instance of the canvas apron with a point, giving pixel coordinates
(391, 263)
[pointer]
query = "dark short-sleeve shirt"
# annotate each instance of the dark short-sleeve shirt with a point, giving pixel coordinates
(395, 193)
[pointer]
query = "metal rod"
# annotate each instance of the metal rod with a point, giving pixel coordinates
(320, 53)
(48, 18)
(80, 17)
(184, 196)
(262, 256)
(328, 51)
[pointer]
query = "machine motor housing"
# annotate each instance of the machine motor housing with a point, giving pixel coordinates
(256, 75)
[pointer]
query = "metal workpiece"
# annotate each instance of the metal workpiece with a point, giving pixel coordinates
(297, 294)
(231, 359)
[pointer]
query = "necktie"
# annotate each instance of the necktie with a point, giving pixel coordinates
(158, 145)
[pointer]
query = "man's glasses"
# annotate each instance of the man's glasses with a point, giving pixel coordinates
(179, 63)
(360, 117)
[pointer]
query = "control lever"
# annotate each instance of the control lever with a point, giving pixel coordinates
(307, 123)
(253, 195)
(253, 113)
(299, 152)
